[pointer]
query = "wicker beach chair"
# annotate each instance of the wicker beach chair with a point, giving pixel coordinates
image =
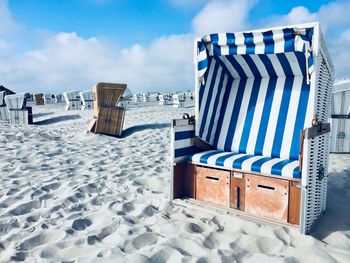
(258, 144)
(108, 117)
(72, 99)
(340, 121)
(39, 99)
(87, 100)
(18, 112)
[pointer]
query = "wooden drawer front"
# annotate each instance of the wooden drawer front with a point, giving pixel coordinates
(294, 203)
(267, 197)
(237, 191)
(212, 186)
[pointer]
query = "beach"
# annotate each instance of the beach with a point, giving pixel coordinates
(67, 195)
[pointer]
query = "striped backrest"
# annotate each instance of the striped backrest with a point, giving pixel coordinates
(86, 95)
(71, 96)
(15, 101)
(255, 103)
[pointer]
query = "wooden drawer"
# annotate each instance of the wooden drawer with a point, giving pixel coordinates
(237, 191)
(267, 197)
(212, 186)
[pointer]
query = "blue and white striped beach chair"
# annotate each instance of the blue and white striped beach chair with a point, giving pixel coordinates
(340, 121)
(258, 144)
(179, 100)
(19, 113)
(72, 99)
(58, 98)
(87, 100)
(48, 99)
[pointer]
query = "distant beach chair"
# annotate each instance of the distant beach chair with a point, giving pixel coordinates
(4, 115)
(48, 99)
(164, 99)
(126, 99)
(145, 98)
(18, 112)
(258, 144)
(72, 100)
(39, 99)
(58, 98)
(108, 117)
(179, 100)
(87, 100)
(137, 98)
(340, 121)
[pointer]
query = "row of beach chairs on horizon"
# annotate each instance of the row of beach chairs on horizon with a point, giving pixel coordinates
(177, 100)
(74, 100)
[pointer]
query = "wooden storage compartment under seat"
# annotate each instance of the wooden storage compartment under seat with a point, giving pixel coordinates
(237, 191)
(267, 197)
(213, 186)
(294, 203)
(184, 180)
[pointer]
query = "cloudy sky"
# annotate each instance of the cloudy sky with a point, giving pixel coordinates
(58, 45)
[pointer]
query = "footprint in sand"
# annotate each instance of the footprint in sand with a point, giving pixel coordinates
(40, 239)
(193, 228)
(145, 239)
(81, 224)
(50, 187)
(211, 241)
(25, 208)
(128, 207)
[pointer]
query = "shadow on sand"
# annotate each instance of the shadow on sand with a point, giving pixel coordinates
(57, 119)
(137, 128)
(38, 115)
(337, 215)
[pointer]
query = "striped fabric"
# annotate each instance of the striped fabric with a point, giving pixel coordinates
(15, 101)
(255, 104)
(87, 99)
(248, 163)
(269, 42)
(183, 142)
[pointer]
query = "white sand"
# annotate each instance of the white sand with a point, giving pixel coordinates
(66, 195)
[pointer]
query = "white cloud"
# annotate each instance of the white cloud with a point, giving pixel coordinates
(334, 14)
(330, 15)
(222, 16)
(7, 24)
(334, 20)
(67, 61)
(339, 50)
(297, 15)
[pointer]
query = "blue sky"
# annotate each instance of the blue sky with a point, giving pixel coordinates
(71, 44)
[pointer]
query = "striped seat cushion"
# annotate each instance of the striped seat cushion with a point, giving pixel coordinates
(248, 163)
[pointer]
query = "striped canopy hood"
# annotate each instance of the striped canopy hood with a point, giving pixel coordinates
(268, 42)
(254, 92)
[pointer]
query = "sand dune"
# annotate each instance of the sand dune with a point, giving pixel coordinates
(67, 195)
